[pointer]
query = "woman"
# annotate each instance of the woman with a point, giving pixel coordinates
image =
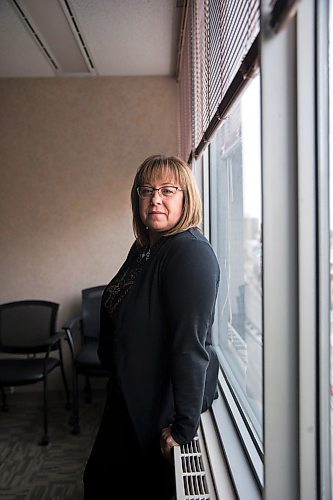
(156, 319)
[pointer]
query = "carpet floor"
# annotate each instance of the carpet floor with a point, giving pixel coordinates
(29, 471)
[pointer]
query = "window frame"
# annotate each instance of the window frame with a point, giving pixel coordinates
(297, 428)
(323, 14)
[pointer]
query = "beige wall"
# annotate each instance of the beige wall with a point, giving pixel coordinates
(69, 149)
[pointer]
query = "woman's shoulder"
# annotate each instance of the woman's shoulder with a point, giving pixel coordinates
(190, 245)
(189, 238)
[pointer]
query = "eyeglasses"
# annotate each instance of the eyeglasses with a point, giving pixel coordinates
(164, 191)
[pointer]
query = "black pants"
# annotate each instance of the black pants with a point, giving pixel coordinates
(118, 468)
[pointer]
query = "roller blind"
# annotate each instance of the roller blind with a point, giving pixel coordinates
(186, 86)
(220, 38)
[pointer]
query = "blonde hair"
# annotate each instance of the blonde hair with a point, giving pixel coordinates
(153, 169)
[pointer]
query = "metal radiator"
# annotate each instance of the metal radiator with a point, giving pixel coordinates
(193, 477)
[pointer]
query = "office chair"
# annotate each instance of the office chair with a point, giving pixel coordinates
(84, 352)
(28, 337)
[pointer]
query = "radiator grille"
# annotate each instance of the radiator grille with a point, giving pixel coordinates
(193, 478)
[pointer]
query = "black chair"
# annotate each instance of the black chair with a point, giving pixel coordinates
(27, 338)
(84, 349)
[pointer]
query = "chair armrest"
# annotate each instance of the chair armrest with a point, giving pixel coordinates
(56, 337)
(49, 345)
(70, 327)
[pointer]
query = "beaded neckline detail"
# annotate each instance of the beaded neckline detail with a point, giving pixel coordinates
(144, 255)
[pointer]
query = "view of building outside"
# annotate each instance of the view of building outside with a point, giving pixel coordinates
(236, 234)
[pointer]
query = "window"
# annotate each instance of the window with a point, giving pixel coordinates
(263, 146)
(236, 221)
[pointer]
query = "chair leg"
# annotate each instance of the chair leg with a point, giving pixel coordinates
(87, 391)
(75, 419)
(4, 399)
(68, 399)
(45, 438)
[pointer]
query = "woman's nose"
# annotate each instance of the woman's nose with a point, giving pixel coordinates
(156, 197)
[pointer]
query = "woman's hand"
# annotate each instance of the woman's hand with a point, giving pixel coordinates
(167, 443)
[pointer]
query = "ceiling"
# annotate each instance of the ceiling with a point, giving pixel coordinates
(84, 38)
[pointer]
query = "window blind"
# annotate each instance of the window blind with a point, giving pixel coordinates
(185, 77)
(222, 42)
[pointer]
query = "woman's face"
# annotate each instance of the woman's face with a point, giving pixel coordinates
(161, 213)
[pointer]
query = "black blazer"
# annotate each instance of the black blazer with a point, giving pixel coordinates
(160, 348)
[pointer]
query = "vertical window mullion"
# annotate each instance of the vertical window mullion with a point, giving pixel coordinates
(280, 263)
(307, 250)
(324, 92)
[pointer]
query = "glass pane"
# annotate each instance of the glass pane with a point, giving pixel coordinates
(236, 234)
(331, 213)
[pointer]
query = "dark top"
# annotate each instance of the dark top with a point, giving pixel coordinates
(156, 319)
